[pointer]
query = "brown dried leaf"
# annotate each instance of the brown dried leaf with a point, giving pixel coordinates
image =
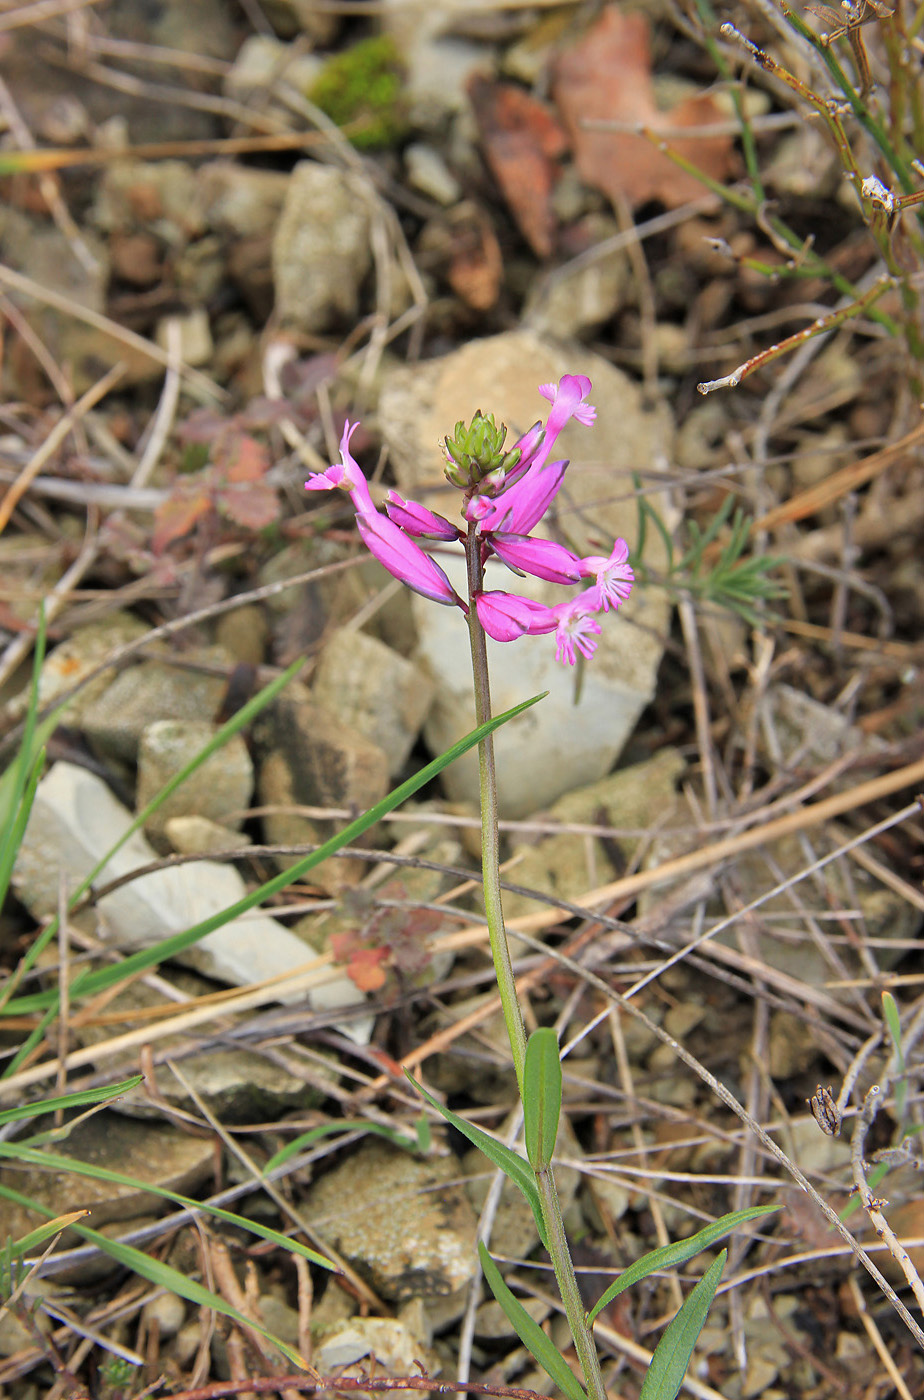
(252, 504)
(177, 515)
(477, 267)
(522, 142)
(606, 76)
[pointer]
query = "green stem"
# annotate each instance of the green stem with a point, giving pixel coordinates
(506, 983)
(490, 836)
(568, 1287)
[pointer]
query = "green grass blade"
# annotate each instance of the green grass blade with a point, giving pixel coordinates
(36, 1238)
(161, 1275)
(79, 1099)
(509, 1162)
(342, 1125)
(93, 982)
(530, 1333)
(664, 1376)
(541, 1097)
(670, 1255)
(52, 1162)
(19, 820)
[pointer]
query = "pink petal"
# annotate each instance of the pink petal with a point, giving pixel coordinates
(345, 475)
(506, 616)
(526, 502)
(405, 559)
(417, 520)
(541, 558)
(614, 575)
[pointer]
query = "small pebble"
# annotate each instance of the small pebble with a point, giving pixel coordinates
(168, 1311)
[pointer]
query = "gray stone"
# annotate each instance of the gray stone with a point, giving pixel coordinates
(219, 789)
(405, 1223)
(262, 63)
(581, 295)
(565, 741)
(428, 172)
(240, 201)
(514, 1233)
(396, 1349)
(373, 690)
(44, 253)
(570, 863)
(196, 346)
(197, 836)
(168, 1312)
(321, 249)
(800, 730)
(75, 657)
(311, 759)
(243, 634)
(164, 196)
(115, 721)
(76, 817)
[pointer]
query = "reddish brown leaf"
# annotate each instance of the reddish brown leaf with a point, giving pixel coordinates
(252, 504)
(241, 457)
(366, 970)
(477, 267)
(606, 76)
(522, 142)
(176, 516)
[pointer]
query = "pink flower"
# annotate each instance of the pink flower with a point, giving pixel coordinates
(541, 558)
(501, 508)
(614, 576)
(577, 627)
(344, 475)
(417, 520)
(522, 505)
(405, 559)
(506, 616)
(566, 398)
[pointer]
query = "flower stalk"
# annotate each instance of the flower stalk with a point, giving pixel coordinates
(504, 496)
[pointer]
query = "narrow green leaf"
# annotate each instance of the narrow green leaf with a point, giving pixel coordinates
(79, 1099)
(664, 1376)
(162, 1275)
(530, 1333)
(541, 1096)
(51, 1161)
(43, 1233)
(510, 1163)
(93, 982)
(892, 1020)
(341, 1125)
(671, 1255)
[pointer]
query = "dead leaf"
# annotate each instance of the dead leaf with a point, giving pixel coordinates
(252, 504)
(241, 457)
(523, 143)
(177, 515)
(606, 76)
(476, 268)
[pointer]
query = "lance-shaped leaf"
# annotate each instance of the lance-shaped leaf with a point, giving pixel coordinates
(664, 1376)
(510, 1162)
(541, 1097)
(530, 1333)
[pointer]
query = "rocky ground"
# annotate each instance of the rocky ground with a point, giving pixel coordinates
(248, 224)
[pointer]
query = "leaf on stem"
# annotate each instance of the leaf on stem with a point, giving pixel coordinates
(530, 1333)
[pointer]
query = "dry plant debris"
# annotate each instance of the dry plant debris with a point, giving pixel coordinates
(158, 424)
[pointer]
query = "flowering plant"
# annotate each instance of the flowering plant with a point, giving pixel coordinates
(505, 495)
